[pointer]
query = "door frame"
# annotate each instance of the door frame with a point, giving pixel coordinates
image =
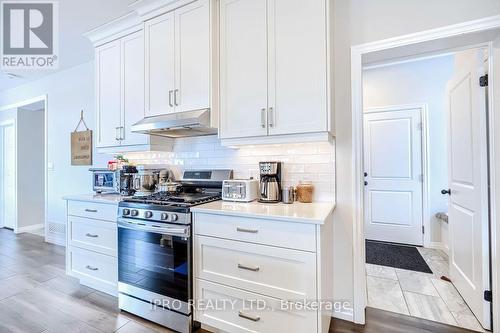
(7, 123)
(423, 107)
(445, 34)
(20, 104)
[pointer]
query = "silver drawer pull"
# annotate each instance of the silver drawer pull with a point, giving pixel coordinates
(91, 210)
(91, 268)
(92, 236)
(253, 269)
(249, 317)
(250, 231)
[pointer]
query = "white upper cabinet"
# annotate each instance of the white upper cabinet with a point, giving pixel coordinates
(181, 60)
(160, 64)
(119, 63)
(297, 66)
(132, 57)
(108, 95)
(275, 70)
(243, 42)
(192, 46)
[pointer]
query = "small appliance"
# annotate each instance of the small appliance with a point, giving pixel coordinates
(155, 260)
(105, 181)
(241, 190)
(270, 182)
(146, 181)
(127, 174)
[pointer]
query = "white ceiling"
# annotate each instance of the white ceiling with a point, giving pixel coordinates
(75, 18)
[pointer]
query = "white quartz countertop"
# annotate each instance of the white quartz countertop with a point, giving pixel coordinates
(112, 199)
(316, 212)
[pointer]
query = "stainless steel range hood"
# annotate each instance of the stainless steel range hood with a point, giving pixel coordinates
(177, 125)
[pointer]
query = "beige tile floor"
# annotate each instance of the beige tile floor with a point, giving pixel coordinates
(420, 294)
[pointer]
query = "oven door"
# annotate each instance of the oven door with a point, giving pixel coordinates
(154, 261)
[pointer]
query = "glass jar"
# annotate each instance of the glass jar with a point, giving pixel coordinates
(304, 191)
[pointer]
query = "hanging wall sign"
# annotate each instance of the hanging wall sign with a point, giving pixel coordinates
(81, 145)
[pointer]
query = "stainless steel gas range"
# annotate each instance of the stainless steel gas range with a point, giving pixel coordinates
(155, 249)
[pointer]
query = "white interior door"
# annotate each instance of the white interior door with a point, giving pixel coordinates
(468, 182)
(8, 133)
(393, 168)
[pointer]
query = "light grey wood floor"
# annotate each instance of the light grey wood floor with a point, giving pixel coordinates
(36, 296)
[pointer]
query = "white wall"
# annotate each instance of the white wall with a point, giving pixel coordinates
(422, 82)
(68, 92)
(306, 161)
(357, 22)
(30, 168)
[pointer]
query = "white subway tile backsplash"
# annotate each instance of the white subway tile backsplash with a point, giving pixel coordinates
(306, 161)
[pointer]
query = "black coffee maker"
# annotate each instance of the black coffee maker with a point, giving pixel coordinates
(127, 180)
(270, 182)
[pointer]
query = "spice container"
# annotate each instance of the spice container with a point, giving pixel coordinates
(288, 195)
(304, 191)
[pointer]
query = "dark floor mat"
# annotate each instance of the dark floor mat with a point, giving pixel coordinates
(397, 256)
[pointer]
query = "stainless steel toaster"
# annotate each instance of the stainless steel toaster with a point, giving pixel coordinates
(242, 190)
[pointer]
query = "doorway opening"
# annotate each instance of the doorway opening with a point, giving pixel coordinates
(22, 168)
(426, 214)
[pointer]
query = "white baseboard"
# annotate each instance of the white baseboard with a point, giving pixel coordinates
(346, 315)
(29, 228)
(56, 239)
(439, 246)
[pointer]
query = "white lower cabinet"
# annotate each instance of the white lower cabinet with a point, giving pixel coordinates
(238, 316)
(248, 271)
(91, 245)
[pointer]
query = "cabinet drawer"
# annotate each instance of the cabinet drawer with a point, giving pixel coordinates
(239, 316)
(96, 270)
(95, 235)
(93, 210)
(298, 236)
(276, 272)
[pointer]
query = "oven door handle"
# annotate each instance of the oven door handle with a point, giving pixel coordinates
(171, 231)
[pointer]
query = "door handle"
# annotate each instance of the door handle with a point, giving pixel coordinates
(91, 268)
(92, 235)
(448, 191)
(117, 133)
(271, 117)
(250, 231)
(91, 210)
(170, 98)
(122, 133)
(263, 117)
(175, 97)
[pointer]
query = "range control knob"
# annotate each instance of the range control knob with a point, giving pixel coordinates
(174, 217)
(164, 216)
(148, 214)
(126, 212)
(134, 212)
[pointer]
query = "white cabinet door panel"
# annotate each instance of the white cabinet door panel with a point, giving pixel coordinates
(297, 66)
(133, 87)
(243, 39)
(393, 166)
(108, 88)
(160, 64)
(192, 47)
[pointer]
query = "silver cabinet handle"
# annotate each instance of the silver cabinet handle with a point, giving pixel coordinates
(91, 210)
(250, 231)
(170, 98)
(122, 133)
(91, 235)
(249, 317)
(117, 133)
(253, 269)
(91, 268)
(271, 117)
(175, 97)
(263, 117)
